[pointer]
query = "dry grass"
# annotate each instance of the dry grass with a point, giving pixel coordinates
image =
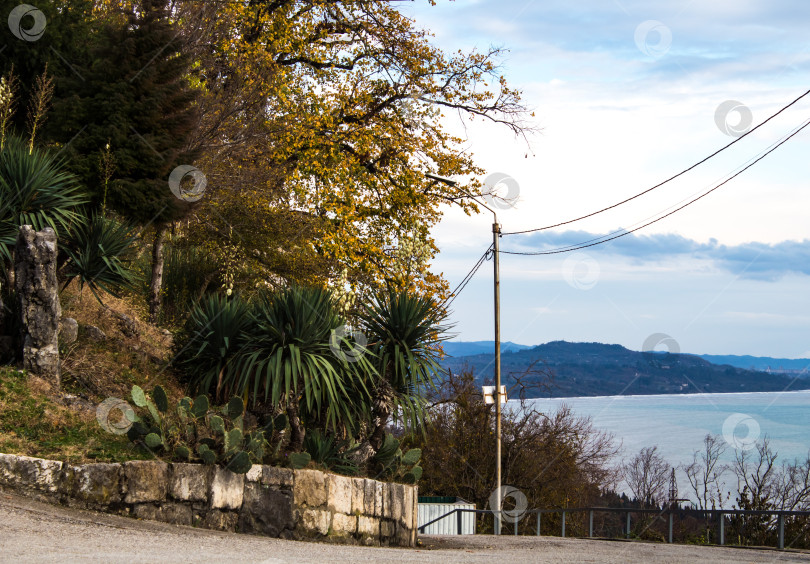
(134, 352)
(37, 420)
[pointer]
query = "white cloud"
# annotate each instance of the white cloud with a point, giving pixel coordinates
(616, 122)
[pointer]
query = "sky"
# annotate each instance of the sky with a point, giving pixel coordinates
(626, 94)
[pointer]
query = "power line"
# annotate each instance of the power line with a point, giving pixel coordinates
(463, 284)
(665, 181)
(622, 233)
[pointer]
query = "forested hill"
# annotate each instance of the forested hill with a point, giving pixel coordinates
(595, 369)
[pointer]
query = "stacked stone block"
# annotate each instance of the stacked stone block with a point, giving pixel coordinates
(270, 501)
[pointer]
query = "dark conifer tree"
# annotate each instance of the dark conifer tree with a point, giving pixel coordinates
(135, 94)
(53, 34)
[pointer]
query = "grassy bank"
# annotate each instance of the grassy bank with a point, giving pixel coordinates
(35, 422)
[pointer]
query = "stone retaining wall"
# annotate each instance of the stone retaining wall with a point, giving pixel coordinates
(272, 501)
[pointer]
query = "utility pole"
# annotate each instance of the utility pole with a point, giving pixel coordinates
(496, 233)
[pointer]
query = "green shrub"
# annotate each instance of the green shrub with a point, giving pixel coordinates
(330, 453)
(194, 431)
(288, 358)
(393, 464)
(100, 251)
(36, 190)
(210, 341)
(189, 274)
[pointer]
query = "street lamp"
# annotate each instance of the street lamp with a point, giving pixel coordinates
(496, 231)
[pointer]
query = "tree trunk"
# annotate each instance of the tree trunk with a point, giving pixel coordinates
(369, 447)
(383, 405)
(156, 285)
(381, 416)
(296, 429)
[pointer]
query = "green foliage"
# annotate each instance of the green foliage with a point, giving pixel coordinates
(411, 457)
(192, 428)
(404, 331)
(392, 464)
(138, 396)
(99, 254)
(189, 274)
(65, 38)
(35, 423)
(299, 460)
(329, 452)
(161, 400)
(199, 407)
(36, 190)
(287, 356)
(132, 92)
(240, 463)
(217, 424)
(235, 408)
(207, 455)
(209, 342)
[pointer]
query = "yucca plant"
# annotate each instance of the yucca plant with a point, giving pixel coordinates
(189, 273)
(100, 251)
(210, 342)
(289, 357)
(35, 190)
(328, 451)
(403, 332)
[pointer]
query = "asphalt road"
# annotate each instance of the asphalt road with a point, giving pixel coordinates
(38, 532)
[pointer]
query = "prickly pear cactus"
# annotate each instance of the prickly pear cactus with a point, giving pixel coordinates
(393, 464)
(194, 432)
(299, 460)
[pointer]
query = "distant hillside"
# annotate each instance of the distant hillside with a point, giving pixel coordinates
(595, 369)
(468, 348)
(761, 362)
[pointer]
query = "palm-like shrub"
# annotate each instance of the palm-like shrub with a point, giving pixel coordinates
(189, 273)
(404, 332)
(210, 342)
(35, 190)
(99, 253)
(290, 357)
(326, 450)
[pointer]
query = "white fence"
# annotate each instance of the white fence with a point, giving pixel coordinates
(428, 511)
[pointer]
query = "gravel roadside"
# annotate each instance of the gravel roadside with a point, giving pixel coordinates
(37, 532)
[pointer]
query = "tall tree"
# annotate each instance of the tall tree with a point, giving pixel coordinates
(53, 33)
(334, 110)
(134, 97)
(647, 475)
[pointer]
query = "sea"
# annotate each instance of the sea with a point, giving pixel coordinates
(677, 424)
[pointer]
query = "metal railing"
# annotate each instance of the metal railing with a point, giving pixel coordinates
(716, 515)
